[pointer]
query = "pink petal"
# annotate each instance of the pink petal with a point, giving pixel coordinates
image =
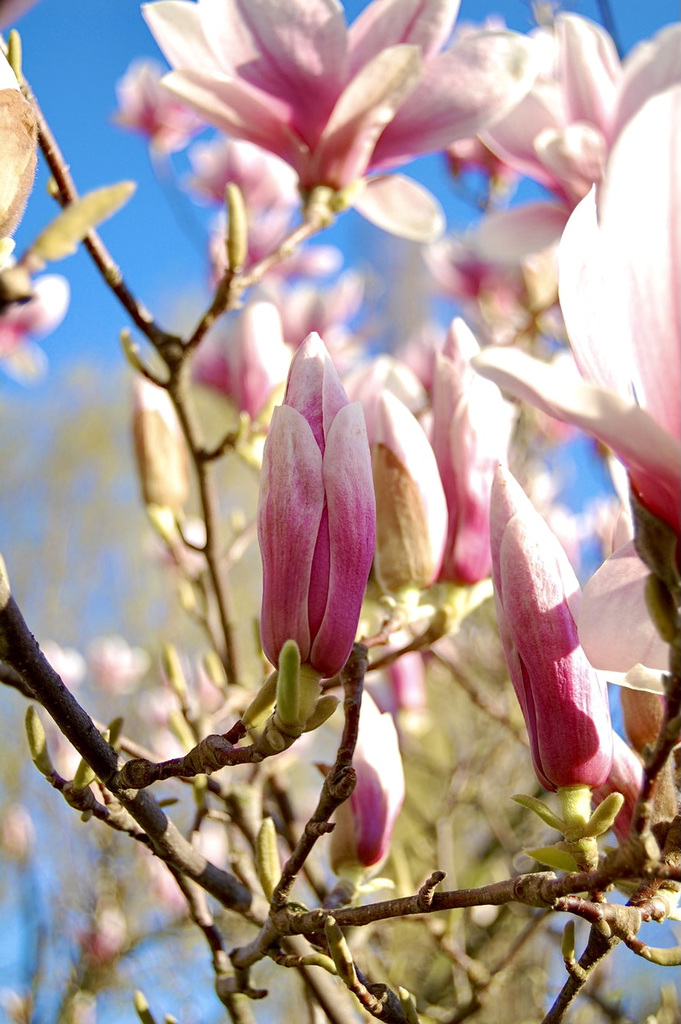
(615, 628)
(402, 207)
(463, 90)
(294, 52)
(289, 513)
(642, 251)
(383, 23)
(314, 388)
(352, 526)
(652, 67)
(590, 70)
(650, 454)
(177, 28)
(510, 236)
(363, 110)
(240, 110)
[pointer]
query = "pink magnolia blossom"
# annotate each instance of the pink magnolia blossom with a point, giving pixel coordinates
(248, 362)
(620, 264)
(38, 317)
(316, 515)
(411, 511)
(115, 665)
(367, 383)
(563, 700)
(337, 102)
(264, 179)
(145, 106)
(365, 822)
(470, 434)
(12, 10)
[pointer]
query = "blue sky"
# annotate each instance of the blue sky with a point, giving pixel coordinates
(74, 52)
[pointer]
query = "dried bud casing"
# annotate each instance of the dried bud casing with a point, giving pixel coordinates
(159, 447)
(18, 140)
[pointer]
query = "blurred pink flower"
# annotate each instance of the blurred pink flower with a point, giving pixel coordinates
(366, 384)
(336, 102)
(67, 662)
(115, 665)
(145, 106)
(563, 700)
(471, 431)
(249, 361)
(316, 515)
(12, 10)
(264, 179)
(38, 317)
(365, 822)
(17, 831)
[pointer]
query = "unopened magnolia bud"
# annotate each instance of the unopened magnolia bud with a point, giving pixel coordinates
(323, 709)
(18, 140)
(159, 447)
(267, 857)
(84, 776)
(172, 666)
(237, 227)
(643, 715)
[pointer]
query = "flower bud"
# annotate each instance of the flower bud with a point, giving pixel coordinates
(316, 516)
(471, 431)
(18, 140)
(159, 447)
(364, 823)
(563, 700)
(411, 514)
(625, 777)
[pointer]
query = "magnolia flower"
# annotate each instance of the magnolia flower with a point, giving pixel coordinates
(249, 363)
(619, 266)
(115, 665)
(563, 700)
(145, 106)
(625, 777)
(365, 822)
(470, 433)
(337, 102)
(38, 317)
(411, 511)
(316, 516)
(265, 180)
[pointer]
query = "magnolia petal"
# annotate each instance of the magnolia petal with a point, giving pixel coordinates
(590, 69)
(650, 454)
(652, 66)
(510, 236)
(383, 23)
(615, 628)
(239, 109)
(289, 513)
(363, 110)
(463, 90)
(642, 252)
(177, 28)
(401, 207)
(292, 51)
(314, 388)
(352, 524)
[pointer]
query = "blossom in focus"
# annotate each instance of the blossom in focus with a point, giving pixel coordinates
(563, 700)
(365, 822)
(411, 511)
(145, 106)
(38, 317)
(619, 268)
(316, 516)
(336, 102)
(248, 363)
(471, 430)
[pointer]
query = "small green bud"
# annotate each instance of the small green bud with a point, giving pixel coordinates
(540, 809)
(180, 729)
(14, 53)
(568, 941)
(215, 670)
(142, 1008)
(553, 858)
(237, 227)
(267, 857)
(323, 709)
(262, 704)
(84, 776)
(288, 686)
(604, 816)
(172, 666)
(408, 1004)
(37, 743)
